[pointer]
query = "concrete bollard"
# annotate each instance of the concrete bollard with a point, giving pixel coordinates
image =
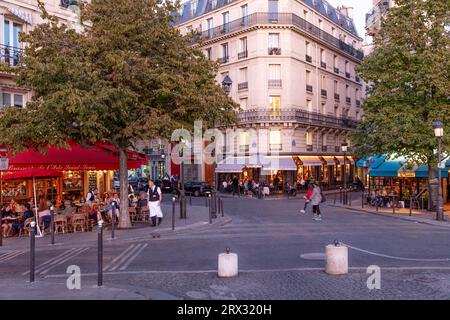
(228, 264)
(336, 259)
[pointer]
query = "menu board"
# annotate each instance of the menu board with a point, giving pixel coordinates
(92, 180)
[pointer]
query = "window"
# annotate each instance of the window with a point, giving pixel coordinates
(194, 4)
(323, 108)
(309, 105)
(244, 145)
(336, 111)
(347, 91)
(333, 32)
(308, 48)
(274, 40)
(308, 77)
(244, 103)
(225, 21)
(243, 44)
(322, 55)
(244, 10)
(320, 24)
(337, 141)
(335, 61)
(357, 94)
(336, 87)
(323, 82)
(273, 10)
(274, 72)
(10, 100)
(225, 52)
(305, 15)
(243, 74)
(275, 105)
(347, 67)
(324, 139)
(309, 138)
(357, 115)
(209, 53)
(210, 24)
(275, 140)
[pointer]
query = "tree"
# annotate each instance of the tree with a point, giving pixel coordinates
(128, 76)
(408, 84)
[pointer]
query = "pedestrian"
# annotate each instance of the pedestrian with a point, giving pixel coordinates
(155, 198)
(307, 199)
(235, 185)
(316, 199)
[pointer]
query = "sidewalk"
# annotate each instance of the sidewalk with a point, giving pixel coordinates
(417, 216)
(197, 218)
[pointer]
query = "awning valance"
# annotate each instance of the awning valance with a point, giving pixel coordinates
(329, 160)
(279, 163)
(387, 169)
(311, 161)
(229, 168)
(349, 160)
(422, 172)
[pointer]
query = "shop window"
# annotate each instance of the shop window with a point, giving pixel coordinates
(275, 140)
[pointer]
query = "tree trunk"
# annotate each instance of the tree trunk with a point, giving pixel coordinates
(124, 218)
(432, 187)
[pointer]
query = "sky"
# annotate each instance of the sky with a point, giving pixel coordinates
(360, 8)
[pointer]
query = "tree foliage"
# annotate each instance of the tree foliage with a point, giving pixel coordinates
(408, 83)
(129, 76)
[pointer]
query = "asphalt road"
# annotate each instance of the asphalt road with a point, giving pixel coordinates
(270, 238)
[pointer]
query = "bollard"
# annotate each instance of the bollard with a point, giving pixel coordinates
(362, 200)
(52, 223)
(206, 201)
(393, 205)
(100, 254)
(190, 199)
(350, 200)
(340, 195)
(173, 213)
(335, 196)
(336, 259)
(218, 206)
(221, 207)
(410, 206)
(228, 264)
(113, 219)
(376, 204)
(209, 211)
(32, 248)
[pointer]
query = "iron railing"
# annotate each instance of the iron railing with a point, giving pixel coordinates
(336, 70)
(243, 54)
(275, 83)
(323, 64)
(10, 55)
(243, 86)
(295, 115)
(309, 88)
(337, 97)
(323, 93)
(264, 18)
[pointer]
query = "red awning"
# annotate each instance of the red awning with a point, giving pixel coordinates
(30, 173)
(97, 157)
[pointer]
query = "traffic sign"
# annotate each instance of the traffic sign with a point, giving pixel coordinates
(4, 164)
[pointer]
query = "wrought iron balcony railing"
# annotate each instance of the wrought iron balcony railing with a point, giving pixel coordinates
(336, 70)
(308, 58)
(337, 97)
(309, 88)
(10, 55)
(295, 116)
(242, 86)
(243, 55)
(348, 100)
(275, 83)
(323, 93)
(347, 74)
(264, 18)
(323, 64)
(274, 51)
(224, 60)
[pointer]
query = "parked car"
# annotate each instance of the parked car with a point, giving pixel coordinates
(138, 184)
(166, 186)
(198, 188)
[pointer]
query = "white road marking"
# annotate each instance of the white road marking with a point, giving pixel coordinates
(78, 252)
(10, 255)
(123, 260)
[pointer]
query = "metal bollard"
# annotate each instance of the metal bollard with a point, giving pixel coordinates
(100, 254)
(206, 201)
(52, 223)
(340, 195)
(393, 205)
(173, 213)
(362, 200)
(218, 206)
(376, 204)
(350, 200)
(210, 213)
(113, 219)
(32, 248)
(221, 207)
(335, 196)
(410, 206)
(190, 198)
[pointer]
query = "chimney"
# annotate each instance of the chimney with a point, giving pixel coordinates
(347, 11)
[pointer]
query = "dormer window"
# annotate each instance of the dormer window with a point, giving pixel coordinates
(194, 4)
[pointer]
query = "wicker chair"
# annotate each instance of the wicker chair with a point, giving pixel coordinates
(60, 224)
(133, 215)
(26, 227)
(145, 213)
(79, 223)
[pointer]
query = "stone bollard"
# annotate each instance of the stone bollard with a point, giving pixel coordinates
(336, 259)
(228, 264)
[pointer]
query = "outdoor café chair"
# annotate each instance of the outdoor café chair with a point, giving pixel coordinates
(145, 213)
(79, 222)
(60, 224)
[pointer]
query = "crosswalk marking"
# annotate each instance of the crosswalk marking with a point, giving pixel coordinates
(10, 255)
(123, 260)
(58, 260)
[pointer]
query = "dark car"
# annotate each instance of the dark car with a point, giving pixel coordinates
(197, 188)
(138, 184)
(166, 186)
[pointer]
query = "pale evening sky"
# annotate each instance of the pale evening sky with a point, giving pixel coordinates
(360, 8)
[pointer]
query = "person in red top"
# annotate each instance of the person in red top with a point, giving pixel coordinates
(308, 198)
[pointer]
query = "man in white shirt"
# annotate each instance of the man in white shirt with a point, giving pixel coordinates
(154, 202)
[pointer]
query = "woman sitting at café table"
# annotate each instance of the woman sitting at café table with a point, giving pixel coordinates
(26, 215)
(45, 215)
(6, 225)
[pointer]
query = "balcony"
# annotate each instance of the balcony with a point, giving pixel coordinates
(275, 83)
(347, 74)
(298, 116)
(348, 100)
(323, 64)
(308, 58)
(323, 93)
(309, 147)
(274, 51)
(242, 86)
(276, 147)
(288, 19)
(243, 55)
(309, 88)
(358, 103)
(224, 60)
(337, 149)
(10, 55)
(337, 97)
(68, 3)
(336, 70)
(357, 79)
(324, 148)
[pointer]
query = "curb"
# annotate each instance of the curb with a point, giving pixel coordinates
(389, 215)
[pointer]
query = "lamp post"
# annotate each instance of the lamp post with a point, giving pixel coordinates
(438, 127)
(182, 194)
(344, 148)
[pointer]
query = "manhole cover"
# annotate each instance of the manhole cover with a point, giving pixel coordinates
(313, 256)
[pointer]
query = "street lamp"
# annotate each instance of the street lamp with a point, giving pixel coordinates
(438, 127)
(182, 195)
(344, 148)
(226, 84)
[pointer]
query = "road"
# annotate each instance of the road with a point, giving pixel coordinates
(271, 239)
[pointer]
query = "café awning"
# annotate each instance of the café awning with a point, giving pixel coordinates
(76, 158)
(329, 160)
(229, 168)
(30, 173)
(311, 161)
(422, 172)
(349, 160)
(279, 163)
(387, 169)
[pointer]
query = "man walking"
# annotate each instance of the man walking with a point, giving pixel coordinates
(316, 199)
(307, 199)
(154, 201)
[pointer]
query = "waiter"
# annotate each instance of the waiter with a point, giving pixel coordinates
(154, 200)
